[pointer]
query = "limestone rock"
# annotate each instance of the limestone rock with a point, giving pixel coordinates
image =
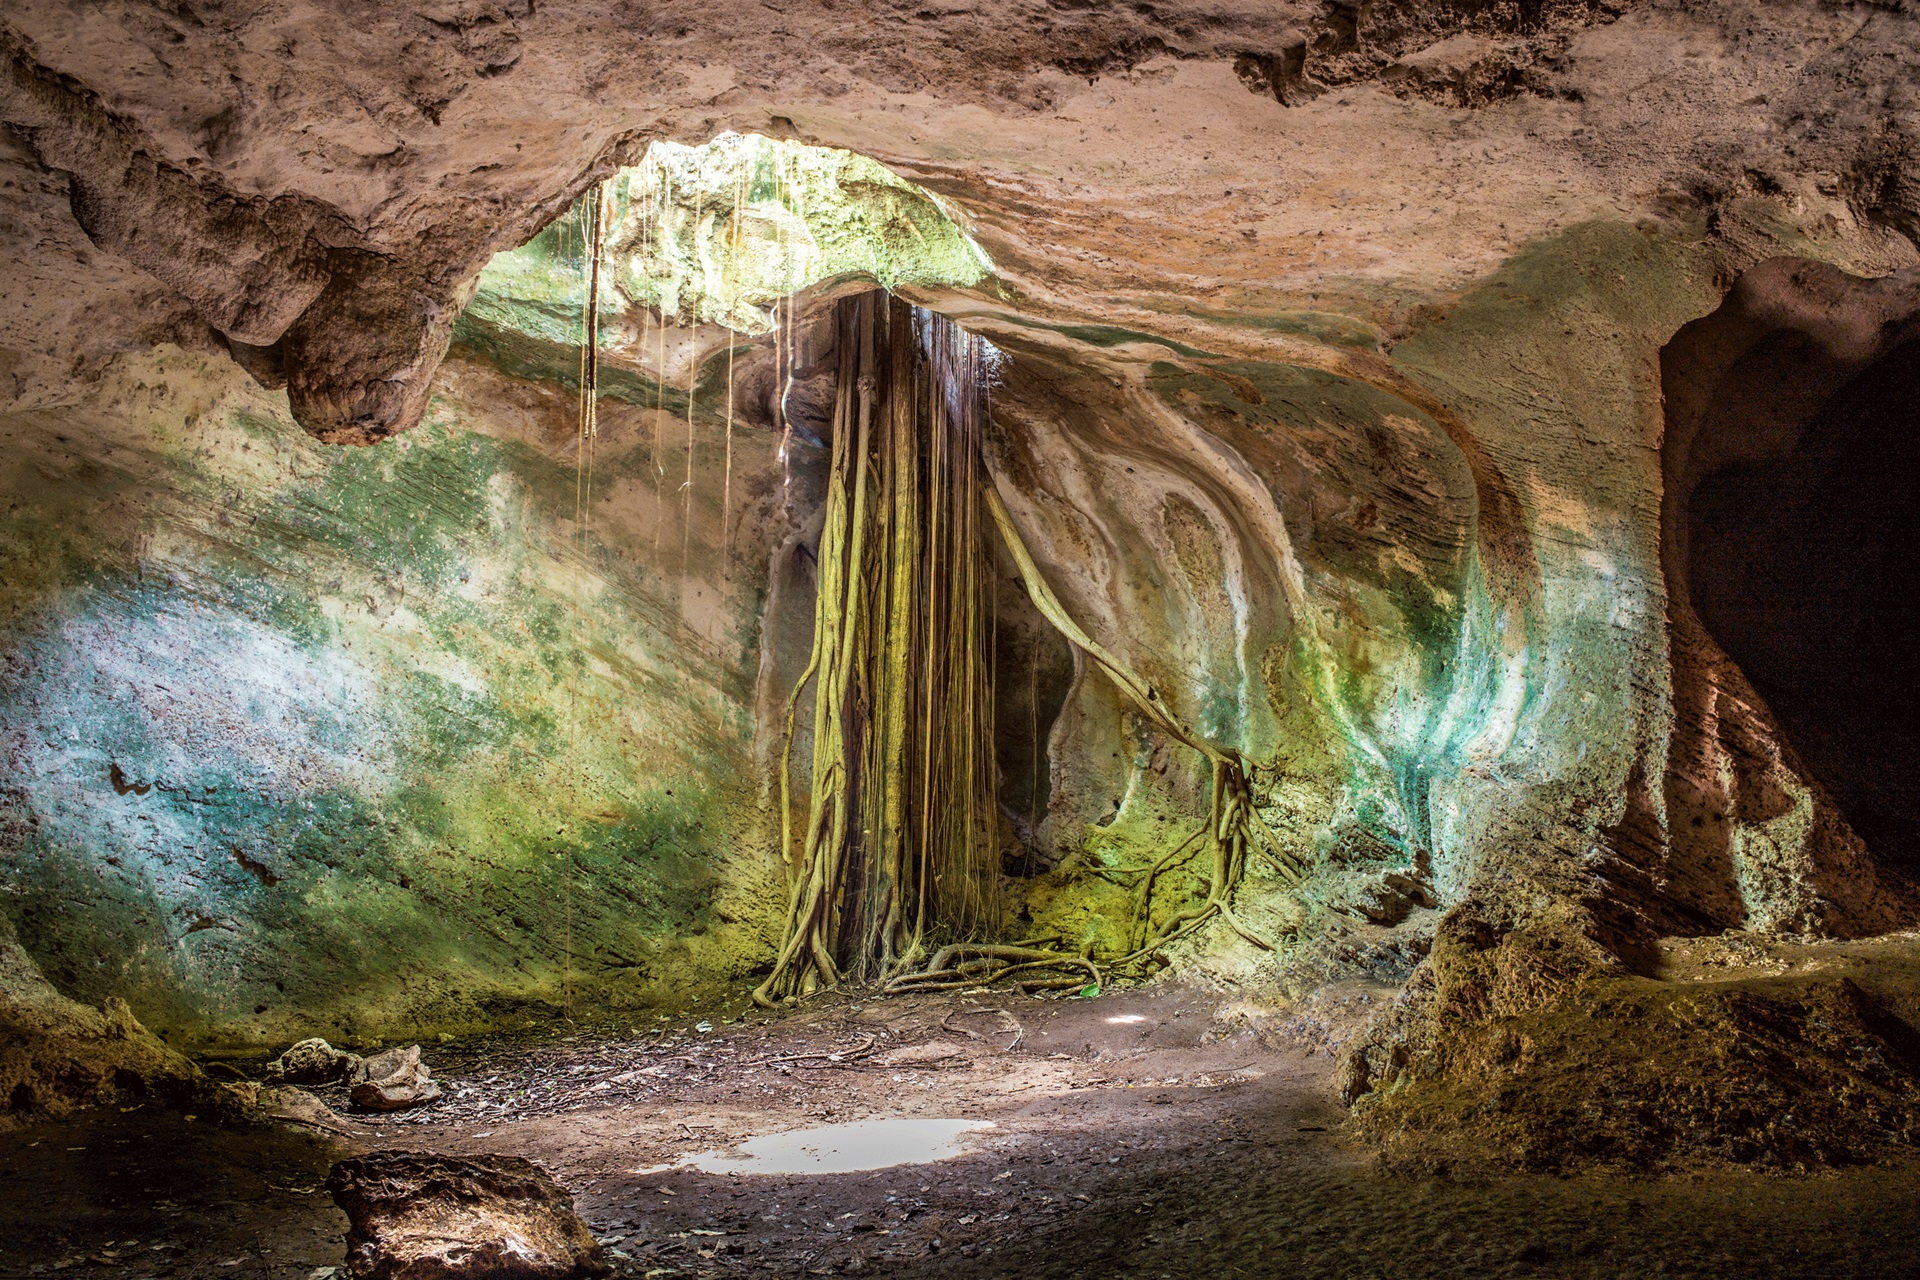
(416, 1216)
(312, 1061)
(288, 1102)
(392, 1081)
(57, 1054)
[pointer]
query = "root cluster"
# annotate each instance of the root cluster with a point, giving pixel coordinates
(899, 844)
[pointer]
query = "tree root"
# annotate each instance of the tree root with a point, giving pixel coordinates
(1233, 827)
(831, 1055)
(884, 862)
(897, 841)
(990, 964)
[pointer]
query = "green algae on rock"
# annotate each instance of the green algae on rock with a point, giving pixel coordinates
(357, 742)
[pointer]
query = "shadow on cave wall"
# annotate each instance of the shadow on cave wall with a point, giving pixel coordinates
(1801, 565)
(1789, 459)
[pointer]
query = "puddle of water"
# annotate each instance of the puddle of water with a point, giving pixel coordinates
(843, 1148)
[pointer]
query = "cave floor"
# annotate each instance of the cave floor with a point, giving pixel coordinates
(1151, 1133)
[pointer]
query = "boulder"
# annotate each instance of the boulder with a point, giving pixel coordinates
(392, 1081)
(418, 1216)
(312, 1062)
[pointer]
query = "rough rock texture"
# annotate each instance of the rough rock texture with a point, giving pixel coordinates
(1799, 1074)
(57, 1054)
(312, 1062)
(430, 137)
(1367, 367)
(1745, 386)
(456, 746)
(392, 1081)
(415, 1216)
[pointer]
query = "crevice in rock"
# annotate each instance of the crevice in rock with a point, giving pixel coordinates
(1800, 565)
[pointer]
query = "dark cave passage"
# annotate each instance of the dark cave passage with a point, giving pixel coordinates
(1801, 566)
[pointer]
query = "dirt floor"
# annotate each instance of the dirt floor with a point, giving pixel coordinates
(1158, 1133)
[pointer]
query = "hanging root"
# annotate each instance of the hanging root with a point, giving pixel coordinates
(900, 821)
(1233, 829)
(899, 842)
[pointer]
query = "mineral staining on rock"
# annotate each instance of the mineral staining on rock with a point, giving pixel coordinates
(311, 739)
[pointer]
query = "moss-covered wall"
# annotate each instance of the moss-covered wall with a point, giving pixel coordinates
(302, 739)
(1420, 587)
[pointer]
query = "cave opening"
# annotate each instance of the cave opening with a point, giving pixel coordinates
(1801, 566)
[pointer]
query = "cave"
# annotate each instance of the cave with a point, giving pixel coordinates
(1012, 639)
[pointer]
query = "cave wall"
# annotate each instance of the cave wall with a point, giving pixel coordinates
(1748, 385)
(303, 740)
(1425, 592)
(1335, 404)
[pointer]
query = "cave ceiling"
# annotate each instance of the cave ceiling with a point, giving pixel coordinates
(356, 164)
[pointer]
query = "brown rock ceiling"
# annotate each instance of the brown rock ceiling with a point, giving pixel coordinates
(325, 179)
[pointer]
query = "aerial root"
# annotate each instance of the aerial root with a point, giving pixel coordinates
(987, 964)
(1233, 827)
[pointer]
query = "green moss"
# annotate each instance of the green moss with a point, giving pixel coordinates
(316, 741)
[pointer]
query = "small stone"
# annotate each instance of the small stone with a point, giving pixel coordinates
(417, 1216)
(311, 1062)
(392, 1081)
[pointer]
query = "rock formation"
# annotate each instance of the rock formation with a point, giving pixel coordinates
(424, 1217)
(1393, 386)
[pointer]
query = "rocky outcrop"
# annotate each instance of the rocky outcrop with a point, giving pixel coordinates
(312, 1061)
(414, 1216)
(391, 1081)
(57, 1054)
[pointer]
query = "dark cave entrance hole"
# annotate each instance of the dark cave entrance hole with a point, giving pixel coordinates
(1803, 567)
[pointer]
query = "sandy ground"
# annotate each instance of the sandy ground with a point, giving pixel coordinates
(1166, 1133)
